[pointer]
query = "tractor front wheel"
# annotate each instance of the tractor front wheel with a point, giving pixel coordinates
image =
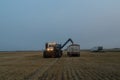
(44, 54)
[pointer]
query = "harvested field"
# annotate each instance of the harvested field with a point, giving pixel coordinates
(32, 66)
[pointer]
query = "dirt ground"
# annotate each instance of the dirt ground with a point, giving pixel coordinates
(32, 66)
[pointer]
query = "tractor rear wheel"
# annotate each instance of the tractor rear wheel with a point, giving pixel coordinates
(59, 55)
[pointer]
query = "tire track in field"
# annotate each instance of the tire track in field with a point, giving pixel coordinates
(42, 69)
(57, 71)
(69, 68)
(54, 72)
(77, 73)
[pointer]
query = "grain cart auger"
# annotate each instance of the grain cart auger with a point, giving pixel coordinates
(54, 50)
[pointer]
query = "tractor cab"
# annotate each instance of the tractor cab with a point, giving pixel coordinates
(50, 46)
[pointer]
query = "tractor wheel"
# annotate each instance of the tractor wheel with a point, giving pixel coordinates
(60, 54)
(44, 55)
(53, 55)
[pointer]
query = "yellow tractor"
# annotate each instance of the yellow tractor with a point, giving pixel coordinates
(54, 50)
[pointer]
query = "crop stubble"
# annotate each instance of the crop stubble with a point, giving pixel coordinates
(31, 66)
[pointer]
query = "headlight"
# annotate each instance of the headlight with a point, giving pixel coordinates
(50, 49)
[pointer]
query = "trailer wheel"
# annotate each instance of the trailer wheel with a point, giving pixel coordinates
(78, 55)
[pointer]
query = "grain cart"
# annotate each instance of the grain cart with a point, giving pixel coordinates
(73, 50)
(54, 50)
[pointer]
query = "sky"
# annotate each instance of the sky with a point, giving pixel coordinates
(29, 24)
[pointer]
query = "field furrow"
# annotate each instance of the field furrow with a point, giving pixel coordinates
(32, 66)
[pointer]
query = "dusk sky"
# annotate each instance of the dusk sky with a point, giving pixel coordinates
(29, 24)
